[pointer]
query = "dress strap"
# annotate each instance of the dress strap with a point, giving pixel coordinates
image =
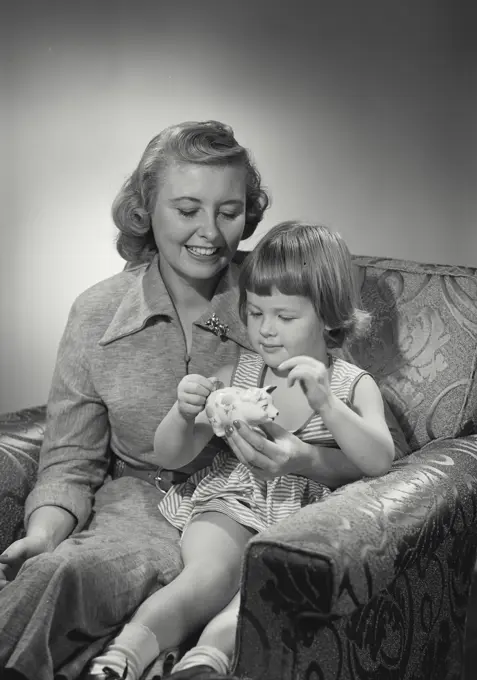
(248, 371)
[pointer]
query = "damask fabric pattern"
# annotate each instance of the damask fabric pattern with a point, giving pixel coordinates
(373, 583)
(21, 435)
(422, 348)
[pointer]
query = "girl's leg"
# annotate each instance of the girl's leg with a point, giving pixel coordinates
(215, 647)
(220, 632)
(212, 549)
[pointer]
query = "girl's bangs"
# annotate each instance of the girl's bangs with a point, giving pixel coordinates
(269, 271)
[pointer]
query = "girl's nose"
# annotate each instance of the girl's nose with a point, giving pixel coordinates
(267, 327)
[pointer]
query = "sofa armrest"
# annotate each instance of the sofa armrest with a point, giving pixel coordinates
(374, 577)
(21, 435)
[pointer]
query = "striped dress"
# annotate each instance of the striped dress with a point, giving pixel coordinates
(227, 486)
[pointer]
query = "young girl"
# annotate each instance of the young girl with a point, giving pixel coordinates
(299, 301)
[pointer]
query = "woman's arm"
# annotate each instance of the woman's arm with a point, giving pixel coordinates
(327, 465)
(51, 524)
(74, 454)
(283, 453)
(178, 439)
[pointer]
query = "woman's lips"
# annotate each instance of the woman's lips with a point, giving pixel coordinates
(199, 251)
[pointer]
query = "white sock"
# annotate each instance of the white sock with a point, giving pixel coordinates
(135, 645)
(204, 655)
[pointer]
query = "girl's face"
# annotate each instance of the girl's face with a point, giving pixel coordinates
(198, 219)
(283, 326)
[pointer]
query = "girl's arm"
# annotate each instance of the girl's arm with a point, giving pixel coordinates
(361, 432)
(179, 440)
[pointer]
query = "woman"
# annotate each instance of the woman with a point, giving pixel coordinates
(96, 544)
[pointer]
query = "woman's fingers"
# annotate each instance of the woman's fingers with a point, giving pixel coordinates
(11, 561)
(253, 449)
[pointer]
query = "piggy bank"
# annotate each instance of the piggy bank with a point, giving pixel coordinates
(253, 405)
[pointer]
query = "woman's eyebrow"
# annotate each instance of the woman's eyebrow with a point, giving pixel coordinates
(231, 201)
(185, 198)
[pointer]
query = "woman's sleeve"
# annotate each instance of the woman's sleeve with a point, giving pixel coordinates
(74, 456)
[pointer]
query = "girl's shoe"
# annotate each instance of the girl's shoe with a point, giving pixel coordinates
(107, 674)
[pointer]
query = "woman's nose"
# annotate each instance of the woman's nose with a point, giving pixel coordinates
(209, 229)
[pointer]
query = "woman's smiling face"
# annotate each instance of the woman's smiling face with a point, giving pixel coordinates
(199, 218)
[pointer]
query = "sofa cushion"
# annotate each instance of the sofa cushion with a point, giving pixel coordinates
(21, 435)
(422, 345)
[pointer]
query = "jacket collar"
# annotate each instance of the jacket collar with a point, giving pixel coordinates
(147, 297)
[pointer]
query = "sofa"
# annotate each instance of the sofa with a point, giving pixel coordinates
(374, 582)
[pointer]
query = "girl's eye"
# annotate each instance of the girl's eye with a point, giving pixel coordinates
(250, 313)
(286, 318)
(188, 213)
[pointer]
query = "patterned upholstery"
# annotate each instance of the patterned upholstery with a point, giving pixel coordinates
(373, 582)
(21, 435)
(423, 344)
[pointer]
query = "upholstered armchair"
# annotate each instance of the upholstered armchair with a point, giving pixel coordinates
(373, 582)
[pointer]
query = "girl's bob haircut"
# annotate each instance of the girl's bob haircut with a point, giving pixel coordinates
(209, 143)
(311, 261)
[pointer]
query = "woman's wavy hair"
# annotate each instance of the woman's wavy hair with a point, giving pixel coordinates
(311, 261)
(209, 143)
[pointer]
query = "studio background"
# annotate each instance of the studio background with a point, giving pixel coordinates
(360, 115)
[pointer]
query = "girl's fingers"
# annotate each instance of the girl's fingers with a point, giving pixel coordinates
(299, 373)
(202, 390)
(193, 399)
(295, 361)
(216, 384)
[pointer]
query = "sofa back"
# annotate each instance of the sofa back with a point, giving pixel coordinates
(422, 345)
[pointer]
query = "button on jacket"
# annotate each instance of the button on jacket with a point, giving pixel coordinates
(119, 362)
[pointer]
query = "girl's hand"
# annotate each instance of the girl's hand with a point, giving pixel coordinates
(18, 552)
(313, 377)
(192, 393)
(285, 455)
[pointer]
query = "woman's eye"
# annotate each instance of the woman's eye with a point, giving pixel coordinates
(286, 318)
(188, 213)
(229, 216)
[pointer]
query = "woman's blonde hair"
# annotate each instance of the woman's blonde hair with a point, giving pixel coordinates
(209, 143)
(311, 261)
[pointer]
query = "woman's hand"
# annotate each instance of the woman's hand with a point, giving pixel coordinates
(18, 552)
(192, 393)
(285, 455)
(313, 378)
